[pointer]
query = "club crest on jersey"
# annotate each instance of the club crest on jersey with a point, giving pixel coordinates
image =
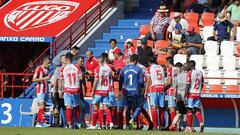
(37, 14)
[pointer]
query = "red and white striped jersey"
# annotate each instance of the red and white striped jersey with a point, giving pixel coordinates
(157, 77)
(104, 74)
(172, 73)
(41, 72)
(195, 79)
(70, 74)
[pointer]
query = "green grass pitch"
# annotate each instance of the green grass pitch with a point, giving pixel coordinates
(60, 131)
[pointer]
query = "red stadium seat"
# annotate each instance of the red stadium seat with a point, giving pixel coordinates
(192, 18)
(161, 44)
(215, 88)
(197, 29)
(204, 89)
(144, 29)
(161, 59)
(150, 43)
(207, 19)
(238, 50)
(232, 89)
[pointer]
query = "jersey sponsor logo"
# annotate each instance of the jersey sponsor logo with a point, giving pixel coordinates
(37, 14)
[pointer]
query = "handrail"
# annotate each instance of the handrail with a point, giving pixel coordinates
(60, 42)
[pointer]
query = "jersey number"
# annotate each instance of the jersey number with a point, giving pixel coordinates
(72, 78)
(130, 79)
(6, 113)
(159, 75)
(104, 81)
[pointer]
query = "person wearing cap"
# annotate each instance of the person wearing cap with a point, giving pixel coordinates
(177, 37)
(234, 9)
(74, 51)
(144, 52)
(158, 24)
(222, 29)
(129, 48)
(193, 41)
(177, 20)
(119, 60)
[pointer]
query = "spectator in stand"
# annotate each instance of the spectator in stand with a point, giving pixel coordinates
(193, 41)
(177, 37)
(234, 9)
(159, 24)
(144, 52)
(91, 65)
(200, 6)
(222, 29)
(177, 20)
(129, 48)
(56, 60)
(113, 43)
(119, 61)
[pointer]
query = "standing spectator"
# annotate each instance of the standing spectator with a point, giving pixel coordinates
(144, 52)
(91, 65)
(177, 20)
(74, 51)
(222, 29)
(234, 9)
(193, 41)
(129, 48)
(119, 61)
(158, 24)
(113, 43)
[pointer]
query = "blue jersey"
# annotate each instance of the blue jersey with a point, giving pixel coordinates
(131, 79)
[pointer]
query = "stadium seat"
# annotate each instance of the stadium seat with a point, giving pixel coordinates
(144, 29)
(161, 44)
(199, 61)
(192, 18)
(211, 48)
(207, 32)
(238, 50)
(172, 15)
(229, 62)
(232, 89)
(150, 43)
(215, 88)
(238, 34)
(230, 74)
(214, 73)
(212, 62)
(180, 58)
(197, 29)
(227, 48)
(207, 19)
(161, 59)
(204, 90)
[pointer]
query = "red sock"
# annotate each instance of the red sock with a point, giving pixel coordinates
(139, 121)
(95, 117)
(199, 117)
(114, 116)
(161, 117)
(69, 115)
(108, 116)
(77, 114)
(173, 114)
(120, 118)
(189, 119)
(101, 117)
(40, 115)
(154, 118)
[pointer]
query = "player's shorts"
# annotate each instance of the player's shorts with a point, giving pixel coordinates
(134, 101)
(122, 102)
(112, 99)
(58, 102)
(157, 98)
(72, 100)
(181, 108)
(191, 103)
(41, 97)
(97, 99)
(171, 101)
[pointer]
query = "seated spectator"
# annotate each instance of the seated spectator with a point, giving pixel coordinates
(91, 65)
(119, 60)
(183, 51)
(177, 39)
(200, 7)
(144, 52)
(158, 24)
(113, 43)
(234, 9)
(193, 41)
(177, 20)
(129, 48)
(222, 29)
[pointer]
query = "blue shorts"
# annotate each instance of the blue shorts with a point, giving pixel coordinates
(134, 101)
(122, 102)
(104, 100)
(41, 97)
(191, 103)
(112, 99)
(157, 98)
(171, 101)
(72, 100)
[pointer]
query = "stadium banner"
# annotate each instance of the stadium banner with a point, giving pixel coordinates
(40, 18)
(26, 39)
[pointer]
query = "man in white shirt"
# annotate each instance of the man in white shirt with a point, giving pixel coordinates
(113, 43)
(180, 20)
